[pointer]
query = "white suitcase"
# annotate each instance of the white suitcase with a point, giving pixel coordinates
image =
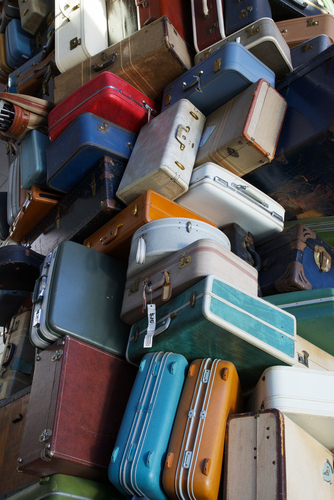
(223, 197)
(159, 238)
(164, 154)
(305, 396)
(311, 356)
(269, 457)
(242, 134)
(173, 275)
(80, 31)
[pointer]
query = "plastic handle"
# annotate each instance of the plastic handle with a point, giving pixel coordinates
(205, 8)
(36, 289)
(101, 67)
(152, 288)
(62, 11)
(163, 327)
(246, 190)
(301, 5)
(8, 355)
(141, 251)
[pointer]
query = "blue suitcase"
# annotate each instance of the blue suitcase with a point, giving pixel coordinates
(87, 139)
(289, 9)
(240, 13)
(217, 79)
(141, 446)
(18, 49)
(33, 158)
(14, 75)
(304, 52)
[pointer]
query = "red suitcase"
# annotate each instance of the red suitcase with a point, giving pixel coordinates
(108, 96)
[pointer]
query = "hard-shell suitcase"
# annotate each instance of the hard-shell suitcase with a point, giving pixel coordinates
(85, 141)
(305, 396)
(158, 239)
(264, 40)
(106, 96)
(114, 237)
(10, 10)
(274, 452)
(4, 226)
(214, 319)
(295, 259)
(211, 393)
(33, 14)
(218, 78)
(121, 19)
(69, 268)
(19, 268)
(137, 460)
(35, 79)
(173, 275)
(13, 190)
(75, 410)
(166, 167)
(242, 244)
(212, 186)
(296, 31)
(16, 73)
(304, 52)
(207, 23)
(17, 361)
(289, 9)
(80, 31)
(10, 301)
(33, 158)
(18, 49)
(322, 226)
(311, 356)
(138, 60)
(239, 13)
(242, 134)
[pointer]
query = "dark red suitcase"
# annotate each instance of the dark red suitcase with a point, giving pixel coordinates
(107, 96)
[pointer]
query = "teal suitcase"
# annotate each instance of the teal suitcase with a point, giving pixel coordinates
(215, 320)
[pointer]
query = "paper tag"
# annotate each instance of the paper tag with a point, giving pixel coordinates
(151, 316)
(206, 134)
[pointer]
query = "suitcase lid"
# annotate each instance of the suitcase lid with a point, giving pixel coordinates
(299, 299)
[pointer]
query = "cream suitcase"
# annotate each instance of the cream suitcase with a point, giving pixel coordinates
(80, 31)
(311, 356)
(223, 197)
(164, 154)
(305, 396)
(269, 457)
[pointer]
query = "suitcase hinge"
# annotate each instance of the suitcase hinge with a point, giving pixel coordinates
(103, 128)
(45, 436)
(149, 459)
(187, 459)
(310, 23)
(206, 376)
(303, 358)
(46, 453)
(322, 259)
(251, 31)
(244, 12)
(184, 261)
(74, 43)
(202, 415)
(131, 452)
(57, 355)
(191, 413)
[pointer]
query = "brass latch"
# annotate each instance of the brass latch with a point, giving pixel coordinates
(310, 23)
(217, 65)
(244, 12)
(184, 261)
(181, 136)
(322, 259)
(251, 31)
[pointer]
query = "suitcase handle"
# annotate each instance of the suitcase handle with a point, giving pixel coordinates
(106, 240)
(36, 297)
(141, 251)
(101, 67)
(8, 355)
(205, 8)
(246, 191)
(197, 81)
(257, 259)
(301, 5)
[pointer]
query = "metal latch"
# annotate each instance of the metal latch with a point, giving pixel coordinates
(103, 128)
(322, 259)
(46, 434)
(306, 48)
(187, 459)
(244, 12)
(46, 453)
(233, 152)
(303, 358)
(184, 261)
(57, 355)
(75, 42)
(180, 135)
(310, 23)
(37, 318)
(217, 65)
(251, 31)
(206, 375)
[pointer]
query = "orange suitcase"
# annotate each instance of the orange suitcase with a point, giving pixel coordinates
(301, 29)
(114, 237)
(193, 465)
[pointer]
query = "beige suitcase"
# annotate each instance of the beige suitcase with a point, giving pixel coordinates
(311, 356)
(301, 29)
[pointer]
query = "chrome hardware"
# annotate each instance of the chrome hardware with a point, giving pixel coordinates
(45, 436)
(57, 355)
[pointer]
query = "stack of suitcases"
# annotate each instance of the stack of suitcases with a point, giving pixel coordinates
(166, 258)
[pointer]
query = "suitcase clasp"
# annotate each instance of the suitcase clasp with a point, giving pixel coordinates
(303, 358)
(181, 136)
(322, 259)
(310, 23)
(74, 43)
(251, 31)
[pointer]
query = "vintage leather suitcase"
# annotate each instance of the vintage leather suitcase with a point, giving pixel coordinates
(106, 96)
(137, 59)
(296, 31)
(34, 80)
(217, 79)
(33, 158)
(302, 395)
(18, 49)
(296, 259)
(193, 463)
(33, 14)
(157, 387)
(85, 141)
(311, 356)
(19, 267)
(75, 410)
(9, 10)
(10, 301)
(274, 451)
(242, 134)
(304, 52)
(167, 167)
(206, 325)
(122, 20)
(69, 268)
(242, 244)
(289, 9)
(114, 237)
(207, 23)
(223, 197)
(173, 275)
(238, 14)
(18, 359)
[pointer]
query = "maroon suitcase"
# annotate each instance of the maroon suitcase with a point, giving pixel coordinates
(207, 23)
(78, 397)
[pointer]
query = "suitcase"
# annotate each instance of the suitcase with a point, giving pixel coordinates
(85, 141)
(4, 226)
(10, 10)
(283, 452)
(218, 78)
(18, 49)
(322, 226)
(304, 52)
(31, 63)
(121, 19)
(310, 356)
(176, 273)
(80, 406)
(207, 23)
(18, 358)
(296, 259)
(137, 60)
(33, 14)
(5, 69)
(80, 33)
(223, 198)
(296, 31)
(114, 237)
(214, 319)
(106, 96)
(242, 244)
(167, 167)
(85, 209)
(33, 158)
(264, 40)
(305, 396)
(238, 14)
(159, 239)
(19, 268)
(13, 190)
(100, 279)
(136, 462)
(193, 465)
(289, 9)
(10, 301)
(242, 134)
(34, 80)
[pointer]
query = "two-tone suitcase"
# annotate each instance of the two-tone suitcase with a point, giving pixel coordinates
(122, 20)
(167, 166)
(18, 49)
(19, 267)
(311, 356)
(136, 462)
(207, 23)
(240, 13)
(33, 14)
(75, 410)
(34, 80)
(304, 52)
(305, 396)
(296, 31)
(289, 9)
(211, 393)
(173, 275)
(10, 302)
(242, 134)
(274, 451)
(214, 319)
(33, 158)
(223, 197)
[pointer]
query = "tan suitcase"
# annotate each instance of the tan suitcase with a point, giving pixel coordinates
(301, 29)
(311, 356)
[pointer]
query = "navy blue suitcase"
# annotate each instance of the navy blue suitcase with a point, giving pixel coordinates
(289, 9)
(218, 78)
(19, 267)
(87, 139)
(304, 52)
(18, 49)
(240, 13)
(33, 158)
(10, 10)
(10, 301)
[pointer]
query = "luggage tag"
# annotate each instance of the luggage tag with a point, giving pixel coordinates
(151, 315)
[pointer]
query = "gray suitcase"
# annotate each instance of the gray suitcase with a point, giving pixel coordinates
(33, 13)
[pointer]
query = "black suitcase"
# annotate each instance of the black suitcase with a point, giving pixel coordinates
(242, 244)
(10, 301)
(19, 268)
(289, 9)
(4, 227)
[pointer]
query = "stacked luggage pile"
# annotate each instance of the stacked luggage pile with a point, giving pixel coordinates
(166, 278)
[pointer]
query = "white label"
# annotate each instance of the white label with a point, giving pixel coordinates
(206, 134)
(151, 318)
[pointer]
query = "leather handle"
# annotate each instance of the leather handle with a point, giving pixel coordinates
(110, 238)
(101, 67)
(257, 259)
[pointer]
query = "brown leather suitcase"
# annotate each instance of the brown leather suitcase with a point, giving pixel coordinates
(78, 397)
(301, 29)
(35, 78)
(211, 393)
(114, 237)
(5, 69)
